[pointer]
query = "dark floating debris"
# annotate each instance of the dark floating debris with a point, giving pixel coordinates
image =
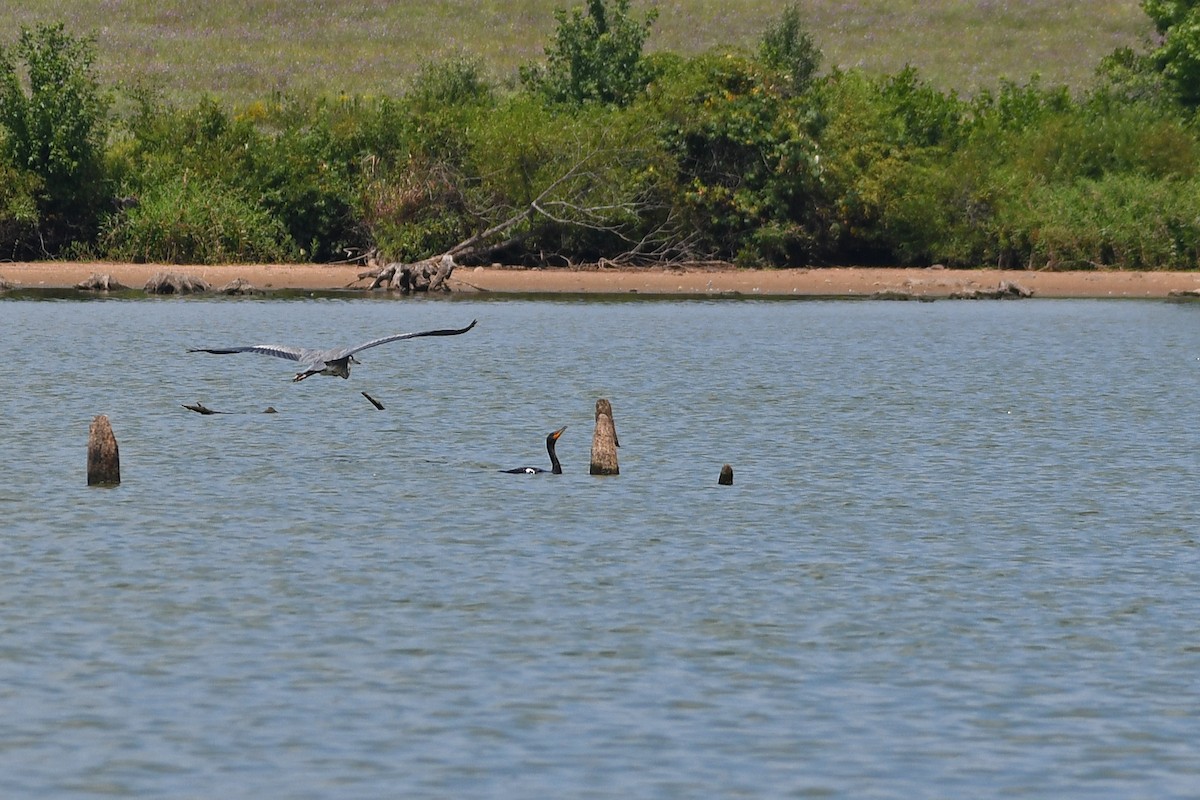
(374, 402)
(200, 408)
(103, 459)
(726, 478)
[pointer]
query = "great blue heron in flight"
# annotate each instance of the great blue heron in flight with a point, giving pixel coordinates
(326, 362)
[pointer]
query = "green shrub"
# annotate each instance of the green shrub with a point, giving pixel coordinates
(413, 211)
(451, 82)
(594, 174)
(746, 164)
(1178, 53)
(1119, 221)
(184, 221)
(787, 47)
(19, 216)
(596, 56)
(56, 131)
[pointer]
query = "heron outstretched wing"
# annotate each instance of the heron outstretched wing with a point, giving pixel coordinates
(315, 358)
(301, 354)
(349, 351)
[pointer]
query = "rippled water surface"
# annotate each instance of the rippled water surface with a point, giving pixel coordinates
(959, 558)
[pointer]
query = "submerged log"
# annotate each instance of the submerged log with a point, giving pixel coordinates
(604, 446)
(103, 460)
(726, 478)
(175, 283)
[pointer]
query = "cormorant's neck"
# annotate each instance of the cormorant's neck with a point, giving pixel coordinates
(557, 468)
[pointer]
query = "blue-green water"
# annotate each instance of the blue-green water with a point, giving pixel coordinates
(959, 558)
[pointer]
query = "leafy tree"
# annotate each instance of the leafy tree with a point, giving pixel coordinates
(56, 128)
(786, 46)
(746, 160)
(596, 56)
(1178, 57)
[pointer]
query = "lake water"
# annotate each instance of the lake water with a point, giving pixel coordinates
(959, 558)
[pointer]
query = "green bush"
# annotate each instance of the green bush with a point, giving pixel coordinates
(1178, 54)
(19, 216)
(787, 47)
(1120, 221)
(56, 132)
(184, 221)
(594, 175)
(596, 56)
(746, 164)
(413, 211)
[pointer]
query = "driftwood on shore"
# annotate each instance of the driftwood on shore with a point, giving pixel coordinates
(430, 275)
(239, 286)
(97, 282)
(175, 283)
(1007, 290)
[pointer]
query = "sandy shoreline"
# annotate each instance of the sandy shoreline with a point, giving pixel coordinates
(701, 280)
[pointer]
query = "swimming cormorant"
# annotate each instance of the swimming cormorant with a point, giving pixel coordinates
(555, 467)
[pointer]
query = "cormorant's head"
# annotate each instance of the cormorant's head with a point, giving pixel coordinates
(554, 436)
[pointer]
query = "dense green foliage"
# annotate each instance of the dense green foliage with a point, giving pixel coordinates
(604, 152)
(596, 56)
(1178, 56)
(53, 138)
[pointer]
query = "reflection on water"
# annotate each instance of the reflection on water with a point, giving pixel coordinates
(959, 557)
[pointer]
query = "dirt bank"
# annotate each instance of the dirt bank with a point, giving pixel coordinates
(830, 282)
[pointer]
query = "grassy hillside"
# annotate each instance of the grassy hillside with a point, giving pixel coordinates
(242, 50)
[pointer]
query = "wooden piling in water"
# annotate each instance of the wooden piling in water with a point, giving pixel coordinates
(604, 442)
(103, 460)
(605, 407)
(726, 478)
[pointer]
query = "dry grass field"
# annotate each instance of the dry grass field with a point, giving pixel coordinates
(244, 50)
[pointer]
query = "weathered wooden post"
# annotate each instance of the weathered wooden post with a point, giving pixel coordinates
(605, 407)
(604, 442)
(726, 478)
(103, 462)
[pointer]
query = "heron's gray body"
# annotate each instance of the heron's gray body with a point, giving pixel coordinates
(335, 361)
